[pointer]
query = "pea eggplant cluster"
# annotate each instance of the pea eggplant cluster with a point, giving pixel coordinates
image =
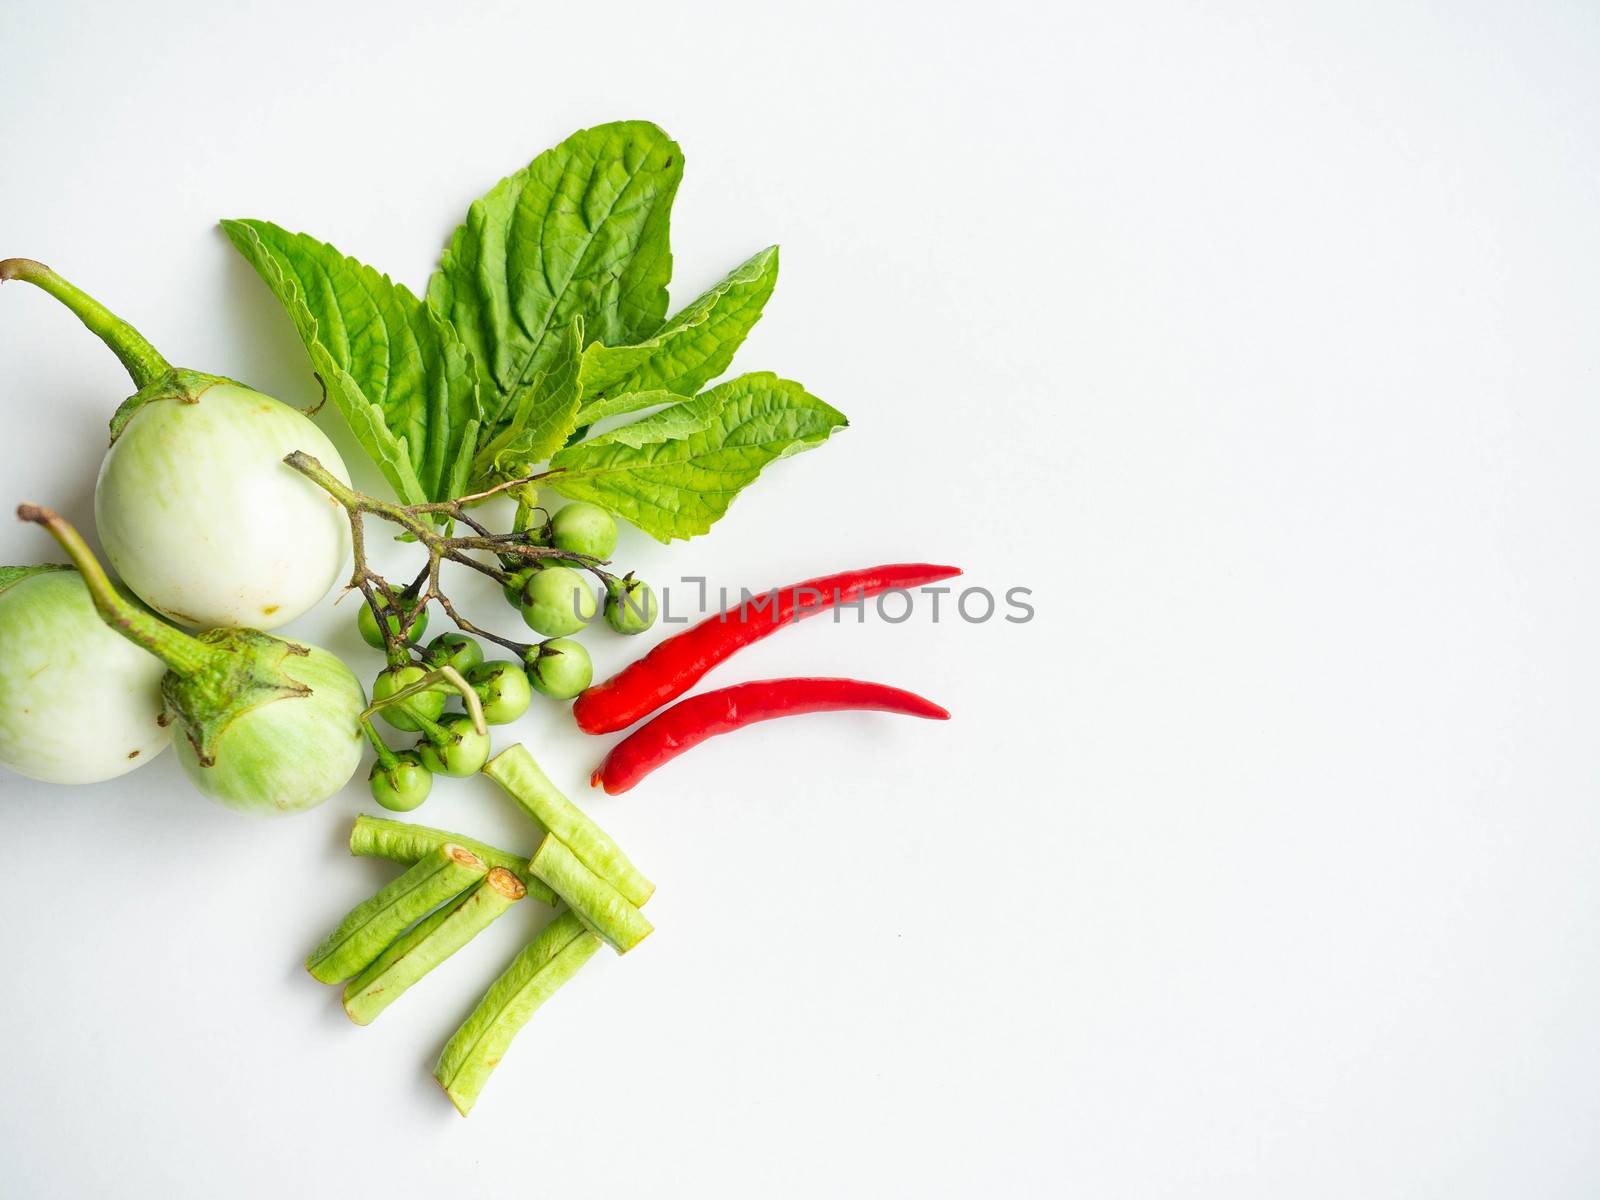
(410, 694)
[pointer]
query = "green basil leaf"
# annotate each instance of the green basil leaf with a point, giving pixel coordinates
(399, 375)
(691, 349)
(624, 402)
(685, 415)
(544, 414)
(582, 231)
(674, 482)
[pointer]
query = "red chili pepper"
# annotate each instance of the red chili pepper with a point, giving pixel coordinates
(691, 722)
(677, 664)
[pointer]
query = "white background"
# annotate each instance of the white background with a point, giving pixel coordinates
(1258, 339)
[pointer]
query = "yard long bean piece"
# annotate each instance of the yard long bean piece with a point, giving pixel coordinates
(402, 842)
(515, 770)
(592, 900)
(477, 1047)
(429, 943)
(373, 924)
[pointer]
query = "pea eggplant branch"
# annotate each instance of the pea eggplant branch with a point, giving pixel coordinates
(419, 521)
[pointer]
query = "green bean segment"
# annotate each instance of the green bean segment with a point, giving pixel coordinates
(515, 771)
(594, 901)
(428, 943)
(371, 925)
(403, 842)
(473, 1052)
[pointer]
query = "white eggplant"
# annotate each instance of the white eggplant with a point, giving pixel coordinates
(201, 518)
(78, 704)
(195, 507)
(265, 725)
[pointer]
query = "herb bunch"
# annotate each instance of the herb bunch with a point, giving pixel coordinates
(548, 314)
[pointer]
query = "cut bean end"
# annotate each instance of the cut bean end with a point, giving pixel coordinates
(507, 884)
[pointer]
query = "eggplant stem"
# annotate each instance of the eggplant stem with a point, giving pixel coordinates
(184, 654)
(143, 361)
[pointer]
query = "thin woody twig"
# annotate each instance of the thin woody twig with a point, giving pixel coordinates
(380, 595)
